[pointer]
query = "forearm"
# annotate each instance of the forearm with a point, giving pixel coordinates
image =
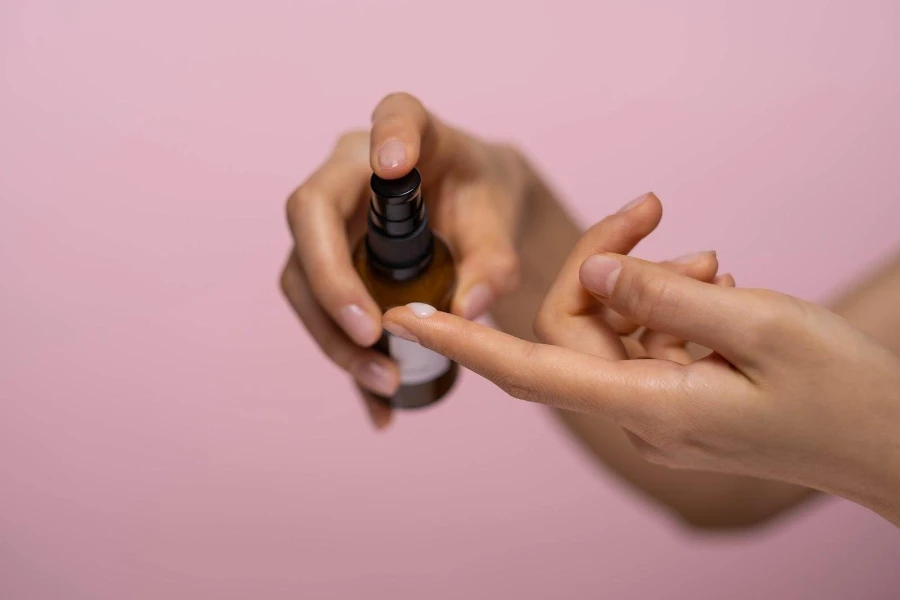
(873, 305)
(708, 500)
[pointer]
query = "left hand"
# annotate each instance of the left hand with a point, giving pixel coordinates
(791, 392)
(476, 193)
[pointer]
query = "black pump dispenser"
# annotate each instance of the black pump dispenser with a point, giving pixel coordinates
(399, 241)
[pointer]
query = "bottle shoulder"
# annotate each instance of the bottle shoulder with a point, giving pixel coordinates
(434, 286)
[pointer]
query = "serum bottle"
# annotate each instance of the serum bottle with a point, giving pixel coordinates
(400, 261)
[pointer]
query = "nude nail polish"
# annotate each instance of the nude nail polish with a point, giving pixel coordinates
(478, 300)
(392, 154)
(639, 200)
(401, 261)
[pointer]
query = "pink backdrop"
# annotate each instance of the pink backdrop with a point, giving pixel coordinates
(167, 430)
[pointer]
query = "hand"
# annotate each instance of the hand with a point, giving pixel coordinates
(792, 392)
(475, 193)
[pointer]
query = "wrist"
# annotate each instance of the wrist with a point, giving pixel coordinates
(874, 475)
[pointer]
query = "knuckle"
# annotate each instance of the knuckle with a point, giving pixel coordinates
(515, 387)
(517, 384)
(285, 281)
(650, 299)
(393, 122)
(507, 269)
(397, 99)
(297, 203)
(351, 140)
(402, 98)
(771, 320)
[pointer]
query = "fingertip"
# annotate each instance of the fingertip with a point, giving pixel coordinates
(359, 324)
(701, 266)
(647, 205)
(696, 257)
(395, 142)
(725, 280)
(489, 270)
(394, 316)
(599, 273)
(398, 321)
(474, 302)
(391, 158)
(633, 222)
(652, 209)
(377, 374)
(380, 415)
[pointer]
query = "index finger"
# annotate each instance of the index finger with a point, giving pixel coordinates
(625, 391)
(405, 135)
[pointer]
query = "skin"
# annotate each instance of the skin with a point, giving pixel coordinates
(520, 255)
(792, 392)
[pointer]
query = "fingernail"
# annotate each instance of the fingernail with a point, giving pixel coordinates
(376, 377)
(599, 274)
(633, 203)
(401, 332)
(392, 154)
(693, 256)
(477, 301)
(421, 310)
(358, 325)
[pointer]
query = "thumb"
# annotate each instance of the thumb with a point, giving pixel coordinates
(626, 391)
(665, 301)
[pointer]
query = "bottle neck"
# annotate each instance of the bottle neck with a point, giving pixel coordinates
(399, 241)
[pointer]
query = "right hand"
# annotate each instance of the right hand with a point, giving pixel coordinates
(792, 392)
(475, 192)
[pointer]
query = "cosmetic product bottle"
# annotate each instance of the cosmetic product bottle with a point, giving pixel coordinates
(400, 260)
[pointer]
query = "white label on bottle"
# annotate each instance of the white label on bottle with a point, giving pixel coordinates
(417, 364)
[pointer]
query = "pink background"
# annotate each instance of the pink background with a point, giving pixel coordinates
(167, 430)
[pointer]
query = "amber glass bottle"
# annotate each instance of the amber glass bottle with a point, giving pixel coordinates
(400, 261)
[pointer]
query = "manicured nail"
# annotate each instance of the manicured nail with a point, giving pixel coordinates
(477, 301)
(693, 256)
(401, 332)
(421, 310)
(599, 274)
(358, 325)
(376, 377)
(392, 154)
(633, 203)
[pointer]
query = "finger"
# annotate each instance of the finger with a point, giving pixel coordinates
(696, 351)
(725, 280)
(371, 369)
(665, 346)
(626, 391)
(483, 240)
(701, 266)
(662, 300)
(318, 213)
(379, 413)
(405, 135)
(569, 315)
